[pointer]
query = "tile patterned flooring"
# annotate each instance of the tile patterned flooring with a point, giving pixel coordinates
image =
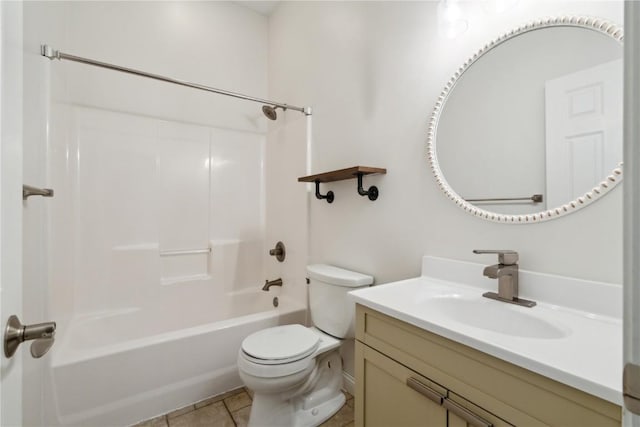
(232, 409)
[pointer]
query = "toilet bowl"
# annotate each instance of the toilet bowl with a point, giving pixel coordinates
(296, 388)
(295, 371)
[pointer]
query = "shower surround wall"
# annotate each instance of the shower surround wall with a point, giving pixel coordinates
(142, 169)
(140, 194)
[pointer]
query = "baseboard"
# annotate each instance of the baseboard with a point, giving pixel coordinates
(348, 382)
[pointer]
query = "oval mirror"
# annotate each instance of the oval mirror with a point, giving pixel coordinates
(530, 127)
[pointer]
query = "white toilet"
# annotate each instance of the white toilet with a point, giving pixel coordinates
(295, 372)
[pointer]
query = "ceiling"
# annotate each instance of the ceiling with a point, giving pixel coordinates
(262, 7)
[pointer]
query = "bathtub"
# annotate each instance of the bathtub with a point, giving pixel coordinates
(121, 367)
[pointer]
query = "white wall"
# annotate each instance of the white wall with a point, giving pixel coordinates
(372, 71)
(217, 44)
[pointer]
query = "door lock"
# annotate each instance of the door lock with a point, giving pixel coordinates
(16, 333)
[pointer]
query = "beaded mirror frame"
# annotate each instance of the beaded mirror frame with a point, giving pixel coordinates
(614, 178)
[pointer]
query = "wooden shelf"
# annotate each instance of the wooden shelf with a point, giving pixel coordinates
(355, 172)
(342, 174)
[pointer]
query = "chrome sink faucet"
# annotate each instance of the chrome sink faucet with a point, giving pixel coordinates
(506, 271)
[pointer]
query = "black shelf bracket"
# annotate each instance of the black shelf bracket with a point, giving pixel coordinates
(328, 196)
(372, 192)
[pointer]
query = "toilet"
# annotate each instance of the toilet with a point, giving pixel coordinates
(295, 371)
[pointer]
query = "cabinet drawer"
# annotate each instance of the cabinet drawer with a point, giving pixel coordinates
(393, 395)
(382, 384)
(455, 419)
(519, 396)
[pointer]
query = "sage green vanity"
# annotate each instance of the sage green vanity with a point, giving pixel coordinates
(406, 376)
(435, 351)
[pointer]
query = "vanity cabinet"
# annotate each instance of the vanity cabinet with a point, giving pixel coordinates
(398, 396)
(390, 401)
(406, 376)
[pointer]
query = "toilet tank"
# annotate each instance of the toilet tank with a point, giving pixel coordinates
(332, 311)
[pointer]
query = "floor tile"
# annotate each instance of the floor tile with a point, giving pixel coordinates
(208, 401)
(211, 415)
(241, 416)
(233, 409)
(249, 391)
(218, 398)
(341, 418)
(180, 411)
(237, 401)
(350, 403)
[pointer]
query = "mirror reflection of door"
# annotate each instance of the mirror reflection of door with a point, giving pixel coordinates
(583, 113)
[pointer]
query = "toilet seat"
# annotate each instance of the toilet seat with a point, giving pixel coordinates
(303, 361)
(262, 370)
(280, 345)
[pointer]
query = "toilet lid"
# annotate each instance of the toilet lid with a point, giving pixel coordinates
(287, 342)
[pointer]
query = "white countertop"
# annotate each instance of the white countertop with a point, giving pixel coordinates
(583, 348)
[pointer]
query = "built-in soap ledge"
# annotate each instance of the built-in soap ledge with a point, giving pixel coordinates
(136, 247)
(179, 252)
(185, 265)
(219, 262)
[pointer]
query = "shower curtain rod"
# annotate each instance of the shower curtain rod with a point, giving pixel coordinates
(52, 54)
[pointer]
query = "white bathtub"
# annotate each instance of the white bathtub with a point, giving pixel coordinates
(117, 368)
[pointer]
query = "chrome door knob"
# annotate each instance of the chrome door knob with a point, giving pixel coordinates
(16, 333)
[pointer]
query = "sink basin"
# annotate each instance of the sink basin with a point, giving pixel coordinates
(494, 316)
(573, 335)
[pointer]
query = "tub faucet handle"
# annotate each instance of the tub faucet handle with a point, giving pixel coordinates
(279, 251)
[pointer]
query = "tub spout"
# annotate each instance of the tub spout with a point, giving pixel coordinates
(268, 284)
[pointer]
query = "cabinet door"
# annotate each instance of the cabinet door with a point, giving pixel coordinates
(463, 413)
(392, 395)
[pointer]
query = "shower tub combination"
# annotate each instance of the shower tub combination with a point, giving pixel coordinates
(151, 329)
(118, 368)
(152, 311)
